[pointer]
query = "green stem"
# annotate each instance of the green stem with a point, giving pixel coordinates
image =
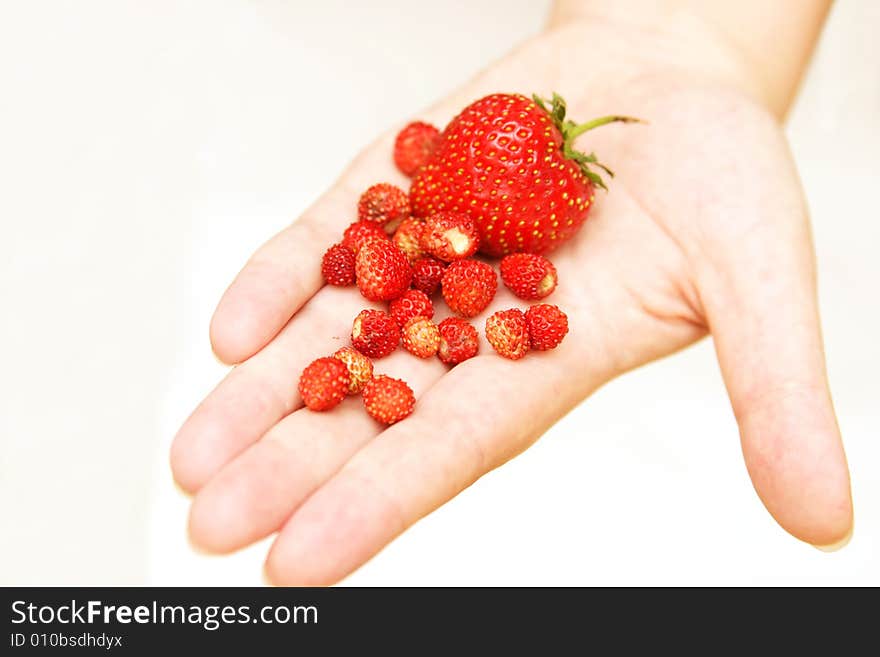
(571, 131)
(578, 130)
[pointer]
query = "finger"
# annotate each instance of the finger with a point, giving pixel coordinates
(286, 271)
(459, 432)
(262, 390)
(252, 496)
(765, 323)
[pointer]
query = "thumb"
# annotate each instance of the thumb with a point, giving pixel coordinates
(763, 314)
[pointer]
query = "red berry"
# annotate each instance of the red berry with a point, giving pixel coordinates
(450, 236)
(337, 266)
(360, 368)
(509, 162)
(458, 341)
(528, 275)
(427, 273)
(421, 337)
(469, 286)
(323, 384)
(414, 146)
(375, 333)
(360, 232)
(383, 272)
(383, 204)
(411, 304)
(408, 236)
(547, 326)
(388, 400)
(508, 334)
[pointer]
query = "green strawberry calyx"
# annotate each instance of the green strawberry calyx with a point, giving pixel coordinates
(571, 131)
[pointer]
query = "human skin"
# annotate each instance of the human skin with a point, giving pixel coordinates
(705, 230)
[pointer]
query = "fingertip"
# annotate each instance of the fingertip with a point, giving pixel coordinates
(267, 580)
(817, 517)
(290, 562)
(257, 305)
(826, 525)
(801, 476)
(182, 472)
(209, 522)
(282, 569)
(194, 457)
(233, 331)
(312, 548)
(339, 528)
(839, 544)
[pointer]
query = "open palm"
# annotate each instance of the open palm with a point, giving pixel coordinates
(704, 231)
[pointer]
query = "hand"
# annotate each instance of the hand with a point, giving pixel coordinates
(704, 230)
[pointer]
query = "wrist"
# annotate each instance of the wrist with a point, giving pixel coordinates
(763, 61)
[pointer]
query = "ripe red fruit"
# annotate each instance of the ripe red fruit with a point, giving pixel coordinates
(450, 236)
(383, 272)
(528, 275)
(458, 341)
(383, 204)
(361, 232)
(508, 333)
(360, 368)
(375, 333)
(408, 238)
(412, 303)
(547, 326)
(510, 164)
(421, 337)
(388, 400)
(414, 145)
(323, 384)
(427, 273)
(469, 286)
(337, 265)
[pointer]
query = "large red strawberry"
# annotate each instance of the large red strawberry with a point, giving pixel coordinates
(509, 162)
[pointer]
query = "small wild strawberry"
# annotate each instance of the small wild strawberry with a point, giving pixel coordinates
(360, 368)
(547, 326)
(323, 384)
(528, 275)
(375, 333)
(508, 333)
(450, 236)
(414, 146)
(411, 303)
(337, 265)
(360, 232)
(421, 337)
(408, 237)
(458, 341)
(383, 204)
(383, 272)
(388, 400)
(469, 286)
(427, 273)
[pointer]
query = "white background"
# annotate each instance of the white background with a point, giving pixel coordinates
(146, 148)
